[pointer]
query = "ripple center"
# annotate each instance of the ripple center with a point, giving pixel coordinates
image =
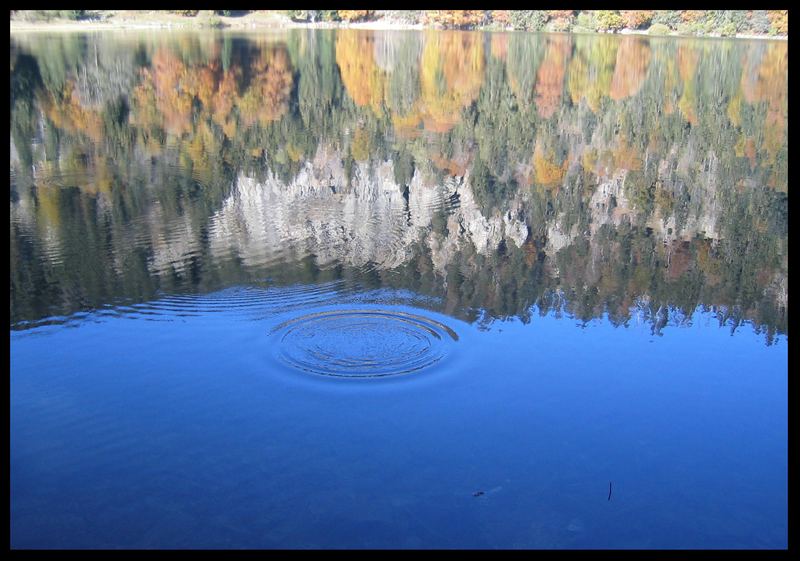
(362, 343)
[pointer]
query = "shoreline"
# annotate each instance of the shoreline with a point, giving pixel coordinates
(272, 23)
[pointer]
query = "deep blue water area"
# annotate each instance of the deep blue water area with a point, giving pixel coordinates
(187, 431)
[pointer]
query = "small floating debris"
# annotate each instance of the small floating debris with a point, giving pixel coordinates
(491, 491)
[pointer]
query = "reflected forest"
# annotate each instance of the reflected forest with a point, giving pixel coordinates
(503, 174)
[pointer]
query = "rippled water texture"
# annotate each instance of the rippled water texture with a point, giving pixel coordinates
(361, 289)
(362, 343)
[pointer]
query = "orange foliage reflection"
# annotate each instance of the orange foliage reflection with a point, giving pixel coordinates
(550, 78)
(633, 59)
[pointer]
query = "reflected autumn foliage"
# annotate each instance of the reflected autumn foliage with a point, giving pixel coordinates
(362, 78)
(592, 69)
(266, 98)
(630, 70)
(451, 77)
(581, 153)
(769, 85)
(168, 90)
(185, 85)
(548, 173)
(550, 78)
(687, 68)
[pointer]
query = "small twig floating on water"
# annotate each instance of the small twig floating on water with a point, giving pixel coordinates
(609, 490)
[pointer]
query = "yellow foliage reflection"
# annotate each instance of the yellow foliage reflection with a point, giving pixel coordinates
(362, 78)
(451, 77)
(592, 69)
(548, 173)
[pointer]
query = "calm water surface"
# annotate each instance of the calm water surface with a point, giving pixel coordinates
(357, 289)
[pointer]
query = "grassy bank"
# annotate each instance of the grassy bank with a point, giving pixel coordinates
(709, 23)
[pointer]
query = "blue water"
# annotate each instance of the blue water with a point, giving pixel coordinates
(179, 425)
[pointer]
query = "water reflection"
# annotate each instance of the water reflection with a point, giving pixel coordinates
(630, 177)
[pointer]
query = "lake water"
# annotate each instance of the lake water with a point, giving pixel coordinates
(354, 289)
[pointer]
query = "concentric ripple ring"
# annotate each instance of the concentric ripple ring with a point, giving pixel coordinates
(362, 343)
